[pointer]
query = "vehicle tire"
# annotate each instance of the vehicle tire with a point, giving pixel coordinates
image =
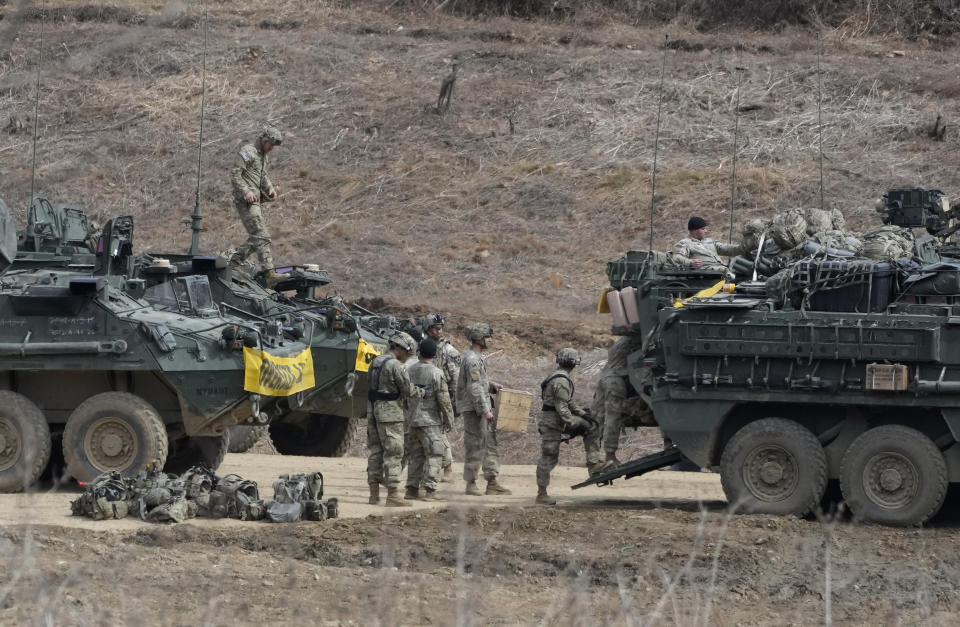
(113, 431)
(25, 442)
(192, 450)
(893, 475)
(773, 466)
(319, 435)
(243, 437)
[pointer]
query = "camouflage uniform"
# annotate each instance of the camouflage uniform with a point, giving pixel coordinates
(426, 420)
(249, 174)
(707, 250)
(479, 434)
(610, 397)
(560, 412)
(448, 361)
(389, 381)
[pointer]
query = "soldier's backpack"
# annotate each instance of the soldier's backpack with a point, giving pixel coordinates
(818, 220)
(299, 496)
(198, 482)
(888, 243)
(788, 228)
(242, 498)
(104, 498)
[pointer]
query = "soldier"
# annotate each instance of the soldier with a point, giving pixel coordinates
(560, 415)
(448, 361)
(610, 397)
(389, 386)
(427, 419)
(479, 427)
(251, 186)
(699, 252)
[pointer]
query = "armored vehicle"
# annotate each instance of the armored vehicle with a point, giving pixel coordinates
(324, 420)
(128, 384)
(836, 369)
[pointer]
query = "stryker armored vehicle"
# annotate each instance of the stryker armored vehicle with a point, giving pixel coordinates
(344, 338)
(127, 383)
(833, 369)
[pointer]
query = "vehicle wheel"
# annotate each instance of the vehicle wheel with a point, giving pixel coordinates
(190, 451)
(893, 475)
(113, 431)
(319, 435)
(243, 437)
(773, 466)
(25, 442)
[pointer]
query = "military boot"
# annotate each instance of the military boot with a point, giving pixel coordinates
(412, 494)
(432, 495)
(612, 460)
(597, 467)
(374, 494)
(543, 498)
(394, 499)
(495, 488)
(472, 489)
(447, 473)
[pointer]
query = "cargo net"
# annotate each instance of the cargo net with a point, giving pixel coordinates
(842, 286)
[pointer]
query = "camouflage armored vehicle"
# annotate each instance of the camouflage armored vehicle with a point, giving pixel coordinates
(128, 384)
(835, 368)
(324, 420)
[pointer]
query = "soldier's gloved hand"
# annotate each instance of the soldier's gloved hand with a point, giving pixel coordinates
(578, 427)
(272, 194)
(250, 197)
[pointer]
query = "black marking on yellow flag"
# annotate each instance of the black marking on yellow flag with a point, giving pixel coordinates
(280, 377)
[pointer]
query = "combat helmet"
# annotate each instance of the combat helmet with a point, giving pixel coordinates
(272, 134)
(567, 357)
(404, 341)
(431, 320)
(479, 331)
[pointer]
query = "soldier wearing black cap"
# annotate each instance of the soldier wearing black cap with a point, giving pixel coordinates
(699, 252)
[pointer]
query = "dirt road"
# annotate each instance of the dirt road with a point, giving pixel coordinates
(658, 549)
(345, 478)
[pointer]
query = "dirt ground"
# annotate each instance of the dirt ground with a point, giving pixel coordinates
(657, 549)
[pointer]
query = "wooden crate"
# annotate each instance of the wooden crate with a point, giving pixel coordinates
(513, 410)
(892, 377)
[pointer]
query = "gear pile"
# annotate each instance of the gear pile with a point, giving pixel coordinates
(156, 496)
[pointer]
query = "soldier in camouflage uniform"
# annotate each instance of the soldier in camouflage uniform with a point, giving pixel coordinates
(561, 414)
(610, 397)
(479, 426)
(448, 361)
(427, 419)
(699, 252)
(251, 186)
(389, 387)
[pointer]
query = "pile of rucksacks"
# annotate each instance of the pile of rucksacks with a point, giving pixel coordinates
(156, 496)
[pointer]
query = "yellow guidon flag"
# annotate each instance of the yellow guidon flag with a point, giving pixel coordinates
(713, 290)
(366, 352)
(275, 375)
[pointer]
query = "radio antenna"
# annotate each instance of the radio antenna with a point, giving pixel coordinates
(36, 109)
(656, 141)
(736, 129)
(819, 113)
(196, 220)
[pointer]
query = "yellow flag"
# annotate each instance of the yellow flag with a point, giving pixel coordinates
(365, 354)
(704, 293)
(274, 375)
(602, 305)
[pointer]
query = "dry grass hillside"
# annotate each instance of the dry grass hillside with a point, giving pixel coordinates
(511, 202)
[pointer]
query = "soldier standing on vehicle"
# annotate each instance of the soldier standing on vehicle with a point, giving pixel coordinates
(479, 425)
(699, 252)
(562, 415)
(389, 386)
(448, 361)
(427, 419)
(252, 186)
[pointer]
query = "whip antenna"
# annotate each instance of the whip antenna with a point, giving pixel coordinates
(36, 109)
(656, 141)
(819, 122)
(196, 220)
(736, 129)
